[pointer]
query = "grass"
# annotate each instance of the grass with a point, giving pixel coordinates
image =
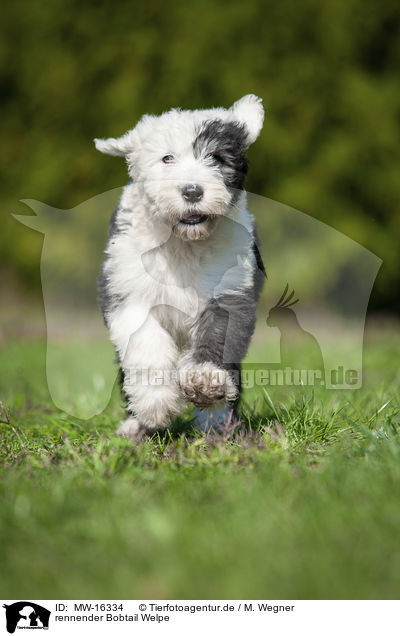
(303, 502)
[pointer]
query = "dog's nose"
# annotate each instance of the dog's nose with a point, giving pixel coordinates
(192, 192)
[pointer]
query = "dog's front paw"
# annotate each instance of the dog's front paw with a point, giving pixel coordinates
(205, 384)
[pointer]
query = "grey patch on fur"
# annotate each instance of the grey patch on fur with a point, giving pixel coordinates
(260, 274)
(107, 301)
(224, 145)
(224, 329)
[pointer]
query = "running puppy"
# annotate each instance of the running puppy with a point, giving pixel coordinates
(182, 273)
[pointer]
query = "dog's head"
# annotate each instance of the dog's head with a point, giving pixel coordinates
(191, 165)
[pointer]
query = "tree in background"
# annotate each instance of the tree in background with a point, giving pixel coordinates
(328, 74)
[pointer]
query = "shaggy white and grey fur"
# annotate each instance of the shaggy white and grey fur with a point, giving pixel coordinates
(182, 271)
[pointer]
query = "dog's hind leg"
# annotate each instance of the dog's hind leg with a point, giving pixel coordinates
(129, 427)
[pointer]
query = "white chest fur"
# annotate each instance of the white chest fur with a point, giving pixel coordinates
(153, 270)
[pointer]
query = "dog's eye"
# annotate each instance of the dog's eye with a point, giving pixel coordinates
(168, 159)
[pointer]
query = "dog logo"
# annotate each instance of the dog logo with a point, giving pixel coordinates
(26, 615)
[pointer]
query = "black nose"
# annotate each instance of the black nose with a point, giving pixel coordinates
(192, 192)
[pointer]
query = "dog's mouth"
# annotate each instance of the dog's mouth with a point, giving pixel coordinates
(193, 219)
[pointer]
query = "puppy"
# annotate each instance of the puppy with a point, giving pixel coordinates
(182, 272)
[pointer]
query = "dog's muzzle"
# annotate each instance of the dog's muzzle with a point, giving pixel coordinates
(194, 218)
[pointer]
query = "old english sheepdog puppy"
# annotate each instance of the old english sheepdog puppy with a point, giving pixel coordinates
(182, 271)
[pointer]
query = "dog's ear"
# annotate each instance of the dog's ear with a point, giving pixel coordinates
(119, 147)
(249, 111)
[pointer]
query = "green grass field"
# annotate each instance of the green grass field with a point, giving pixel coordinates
(303, 503)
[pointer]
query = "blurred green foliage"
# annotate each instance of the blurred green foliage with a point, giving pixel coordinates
(327, 72)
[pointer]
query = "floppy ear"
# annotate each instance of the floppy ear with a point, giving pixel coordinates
(249, 111)
(119, 147)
